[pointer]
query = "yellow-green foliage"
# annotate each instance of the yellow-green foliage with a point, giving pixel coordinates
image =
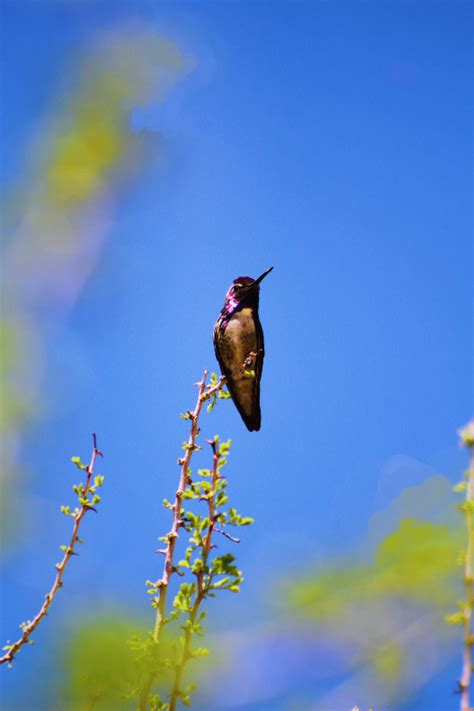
(14, 344)
(389, 606)
(388, 662)
(99, 664)
(418, 561)
(106, 659)
(80, 156)
(415, 560)
(84, 153)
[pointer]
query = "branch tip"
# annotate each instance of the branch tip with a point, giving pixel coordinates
(29, 627)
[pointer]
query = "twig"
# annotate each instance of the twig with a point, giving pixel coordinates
(200, 589)
(465, 682)
(226, 535)
(205, 393)
(29, 628)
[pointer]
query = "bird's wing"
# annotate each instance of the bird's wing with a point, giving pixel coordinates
(252, 418)
(255, 419)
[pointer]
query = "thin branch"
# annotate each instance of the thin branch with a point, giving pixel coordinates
(465, 682)
(29, 628)
(234, 539)
(205, 392)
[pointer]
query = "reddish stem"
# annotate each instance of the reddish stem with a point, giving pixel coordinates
(29, 628)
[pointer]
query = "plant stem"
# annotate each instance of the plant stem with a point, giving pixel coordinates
(205, 393)
(200, 589)
(465, 682)
(29, 628)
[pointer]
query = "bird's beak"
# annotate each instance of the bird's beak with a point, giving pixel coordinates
(261, 277)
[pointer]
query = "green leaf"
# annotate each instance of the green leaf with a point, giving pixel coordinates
(221, 498)
(210, 407)
(456, 619)
(194, 447)
(467, 434)
(197, 566)
(225, 448)
(78, 463)
(236, 519)
(200, 652)
(466, 506)
(204, 472)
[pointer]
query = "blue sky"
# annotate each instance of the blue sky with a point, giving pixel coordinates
(332, 141)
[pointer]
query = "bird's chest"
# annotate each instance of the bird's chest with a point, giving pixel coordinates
(240, 325)
(239, 337)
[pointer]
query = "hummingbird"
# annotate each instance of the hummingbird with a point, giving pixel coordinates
(238, 343)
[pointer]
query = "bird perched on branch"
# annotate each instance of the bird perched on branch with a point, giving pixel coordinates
(238, 343)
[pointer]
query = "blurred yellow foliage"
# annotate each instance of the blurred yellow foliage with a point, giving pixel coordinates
(80, 158)
(388, 662)
(13, 403)
(389, 608)
(104, 660)
(82, 155)
(99, 664)
(418, 561)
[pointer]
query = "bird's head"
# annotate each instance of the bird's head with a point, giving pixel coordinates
(244, 291)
